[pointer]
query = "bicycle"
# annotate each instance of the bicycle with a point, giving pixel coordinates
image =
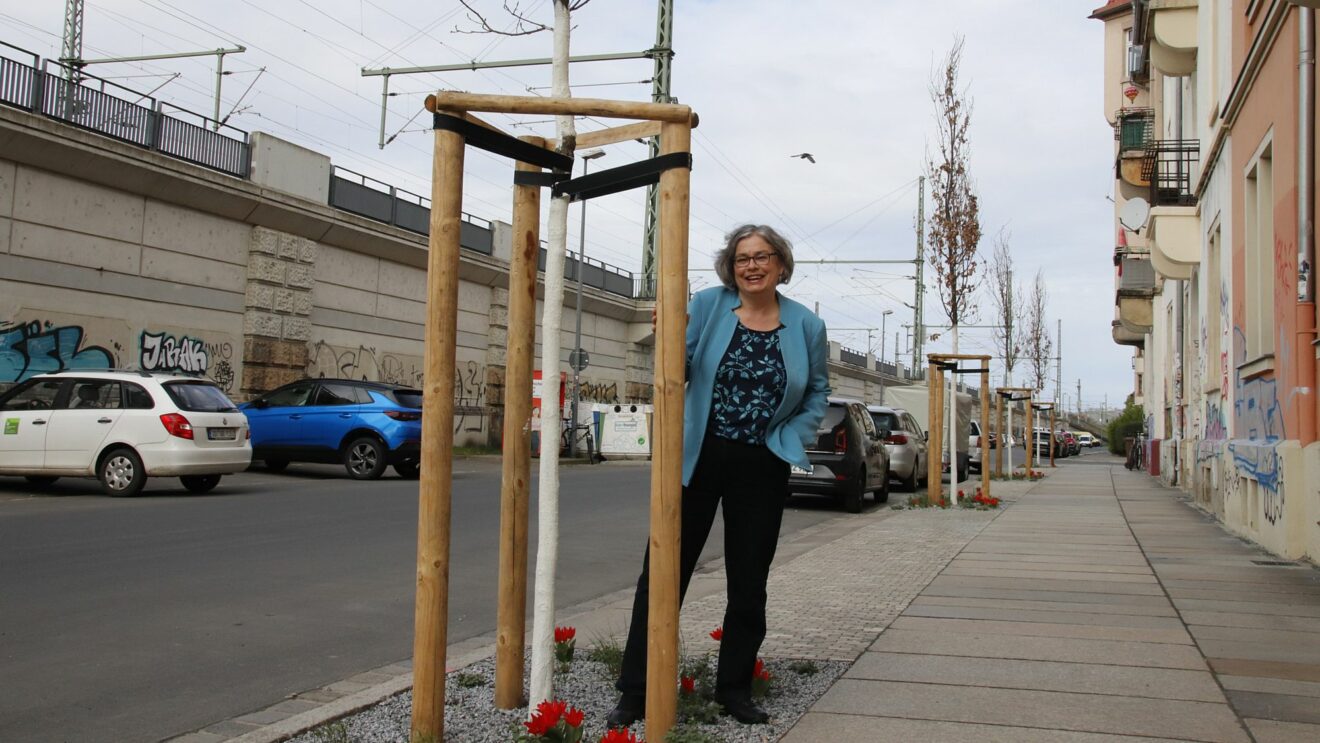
(585, 437)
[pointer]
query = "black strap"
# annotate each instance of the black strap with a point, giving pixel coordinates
(622, 178)
(955, 370)
(502, 144)
(541, 180)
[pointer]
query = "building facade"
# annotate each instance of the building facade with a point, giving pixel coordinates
(1213, 108)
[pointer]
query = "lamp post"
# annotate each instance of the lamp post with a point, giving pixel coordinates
(883, 315)
(576, 359)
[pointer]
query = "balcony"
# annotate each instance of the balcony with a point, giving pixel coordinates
(1125, 337)
(1132, 129)
(1173, 36)
(1171, 166)
(1136, 289)
(1174, 237)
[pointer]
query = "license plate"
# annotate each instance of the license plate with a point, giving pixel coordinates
(797, 470)
(221, 434)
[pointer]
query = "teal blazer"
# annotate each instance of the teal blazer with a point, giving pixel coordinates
(711, 322)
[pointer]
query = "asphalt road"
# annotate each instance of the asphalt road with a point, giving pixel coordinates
(143, 618)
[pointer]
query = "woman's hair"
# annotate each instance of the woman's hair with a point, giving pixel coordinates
(782, 247)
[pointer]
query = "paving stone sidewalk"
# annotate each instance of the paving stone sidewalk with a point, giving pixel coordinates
(1100, 606)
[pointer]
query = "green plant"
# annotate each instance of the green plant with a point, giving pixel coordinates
(331, 732)
(1127, 425)
(804, 667)
(689, 734)
(607, 652)
(467, 680)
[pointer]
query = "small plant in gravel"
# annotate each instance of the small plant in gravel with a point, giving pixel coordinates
(565, 645)
(553, 722)
(466, 680)
(804, 667)
(762, 681)
(609, 653)
(334, 732)
(620, 735)
(689, 734)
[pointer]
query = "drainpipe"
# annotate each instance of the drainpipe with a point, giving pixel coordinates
(1306, 309)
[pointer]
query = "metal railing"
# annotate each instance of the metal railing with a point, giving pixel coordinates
(1133, 128)
(1171, 167)
(849, 356)
(118, 112)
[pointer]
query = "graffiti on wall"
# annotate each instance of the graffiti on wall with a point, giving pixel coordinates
(34, 347)
(168, 352)
(601, 392)
(470, 397)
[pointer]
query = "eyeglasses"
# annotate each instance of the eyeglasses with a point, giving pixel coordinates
(760, 259)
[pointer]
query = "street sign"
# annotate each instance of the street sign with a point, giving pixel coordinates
(579, 359)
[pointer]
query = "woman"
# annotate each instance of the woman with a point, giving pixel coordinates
(756, 391)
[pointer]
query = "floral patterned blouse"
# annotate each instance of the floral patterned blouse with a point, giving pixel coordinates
(749, 385)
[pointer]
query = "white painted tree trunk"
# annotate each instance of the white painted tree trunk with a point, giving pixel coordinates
(547, 514)
(1007, 443)
(953, 425)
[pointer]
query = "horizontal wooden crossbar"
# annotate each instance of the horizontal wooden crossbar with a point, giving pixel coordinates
(449, 100)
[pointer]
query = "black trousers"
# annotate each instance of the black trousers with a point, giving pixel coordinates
(751, 484)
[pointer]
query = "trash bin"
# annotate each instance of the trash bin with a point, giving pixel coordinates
(623, 431)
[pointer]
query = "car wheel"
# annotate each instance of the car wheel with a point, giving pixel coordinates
(882, 493)
(852, 497)
(364, 458)
(200, 483)
(41, 481)
(909, 483)
(121, 473)
(408, 469)
(276, 465)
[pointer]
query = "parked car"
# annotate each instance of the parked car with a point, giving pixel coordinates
(122, 427)
(1046, 441)
(1087, 440)
(366, 426)
(974, 446)
(848, 459)
(905, 444)
(1070, 440)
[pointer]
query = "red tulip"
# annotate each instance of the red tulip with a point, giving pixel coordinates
(688, 684)
(564, 634)
(620, 735)
(574, 717)
(717, 634)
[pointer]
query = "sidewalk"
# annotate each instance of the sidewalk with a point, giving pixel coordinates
(1095, 605)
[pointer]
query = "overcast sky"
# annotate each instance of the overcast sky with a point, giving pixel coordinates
(846, 80)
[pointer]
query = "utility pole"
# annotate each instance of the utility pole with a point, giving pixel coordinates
(1058, 365)
(1079, 397)
(71, 51)
(918, 321)
(663, 53)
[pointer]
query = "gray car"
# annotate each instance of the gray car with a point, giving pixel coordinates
(906, 444)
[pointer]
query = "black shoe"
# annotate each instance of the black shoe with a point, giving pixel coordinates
(744, 711)
(630, 709)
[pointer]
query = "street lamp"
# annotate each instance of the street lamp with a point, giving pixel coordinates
(578, 359)
(883, 315)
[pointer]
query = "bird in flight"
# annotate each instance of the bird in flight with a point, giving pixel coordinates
(805, 156)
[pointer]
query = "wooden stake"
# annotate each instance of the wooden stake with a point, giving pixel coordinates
(1052, 436)
(985, 427)
(667, 454)
(512, 104)
(515, 485)
(642, 130)
(934, 447)
(435, 488)
(1029, 427)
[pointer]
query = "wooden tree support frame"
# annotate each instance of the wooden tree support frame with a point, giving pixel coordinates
(1050, 407)
(1014, 394)
(674, 125)
(939, 362)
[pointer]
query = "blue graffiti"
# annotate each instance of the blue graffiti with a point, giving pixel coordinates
(28, 349)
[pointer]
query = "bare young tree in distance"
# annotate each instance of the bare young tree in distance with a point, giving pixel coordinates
(1010, 306)
(1039, 345)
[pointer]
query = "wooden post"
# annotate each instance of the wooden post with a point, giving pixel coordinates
(1029, 429)
(1052, 436)
(431, 616)
(934, 383)
(985, 427)
(667, 453)
(515, 485)
(999, 431)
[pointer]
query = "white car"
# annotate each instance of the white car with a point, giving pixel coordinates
(122, 427)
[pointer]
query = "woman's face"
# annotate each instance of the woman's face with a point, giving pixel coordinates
(756, 268)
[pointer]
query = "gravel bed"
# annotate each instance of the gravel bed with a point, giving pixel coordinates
(471, 716)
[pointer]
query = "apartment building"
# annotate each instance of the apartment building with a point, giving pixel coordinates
(1213, 109)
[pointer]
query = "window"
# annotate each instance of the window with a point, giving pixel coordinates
(1258, 210)
(336, 394)
(94, 394)
(136, 397)
(291, 396)
(34, 395)
(200, 397)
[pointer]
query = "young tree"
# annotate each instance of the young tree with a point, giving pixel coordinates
(541, 684)
(955, 222)
(1038, 342)
(1009, 311)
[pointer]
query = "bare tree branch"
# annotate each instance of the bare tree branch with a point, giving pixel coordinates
(523, 25)
(1039, 343)
(1010, 307)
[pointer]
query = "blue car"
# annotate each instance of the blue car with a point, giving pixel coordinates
(366, 426)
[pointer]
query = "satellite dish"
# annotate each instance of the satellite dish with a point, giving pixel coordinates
(1134, 213)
